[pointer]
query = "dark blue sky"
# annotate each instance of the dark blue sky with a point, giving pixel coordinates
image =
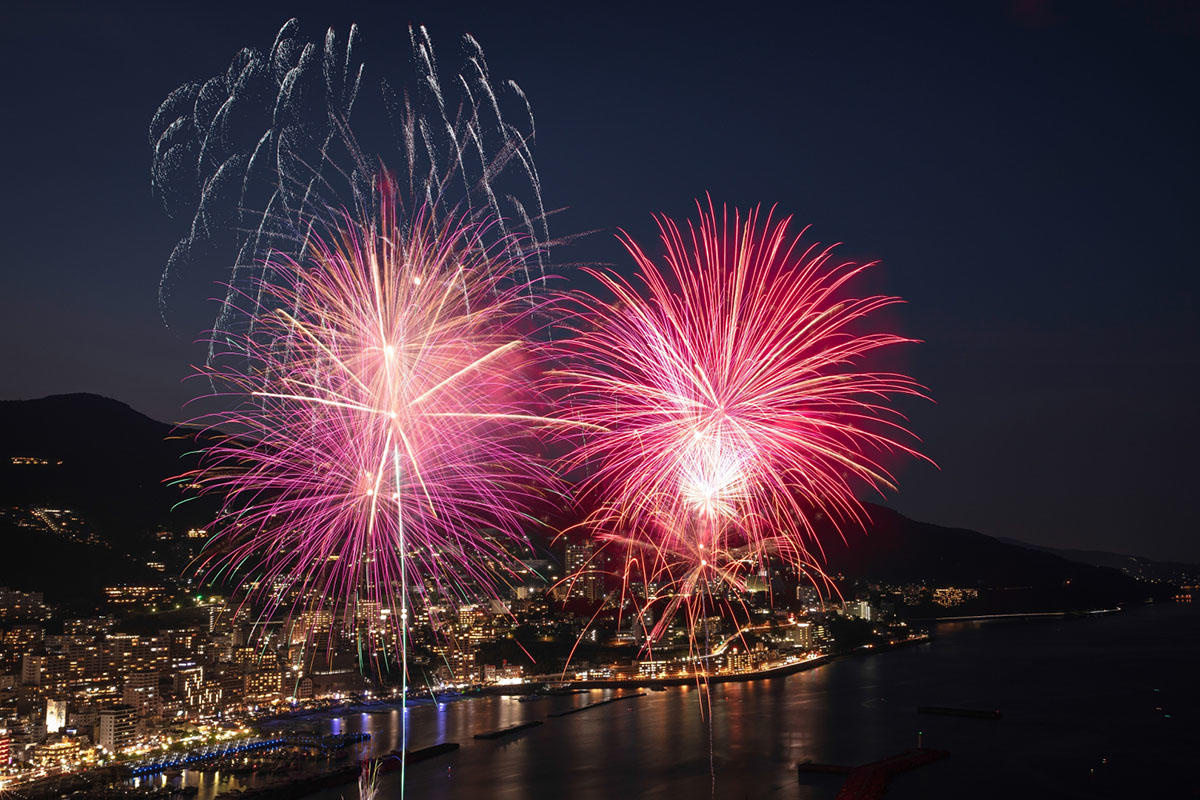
(1027, 172)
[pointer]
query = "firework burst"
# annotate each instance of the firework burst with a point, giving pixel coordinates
(377, 457)
(729, 412)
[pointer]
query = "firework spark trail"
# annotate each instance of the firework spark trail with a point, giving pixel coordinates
(401, 346)
(379, 455)
(734, 410)
(249, 158)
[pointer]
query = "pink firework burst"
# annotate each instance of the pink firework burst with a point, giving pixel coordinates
(729, 411)
(378, 457)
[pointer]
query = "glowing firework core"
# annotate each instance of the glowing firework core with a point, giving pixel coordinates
(712, 479)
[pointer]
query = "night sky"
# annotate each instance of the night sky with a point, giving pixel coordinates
(1026, 171)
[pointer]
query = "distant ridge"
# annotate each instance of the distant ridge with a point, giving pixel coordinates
(898, 550)
(1137, 566)
(115, 461)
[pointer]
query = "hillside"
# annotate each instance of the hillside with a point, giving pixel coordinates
(115, 461)
(105, 461)
(1135, 566)
(899, 550)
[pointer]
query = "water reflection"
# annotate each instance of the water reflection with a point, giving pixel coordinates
(1046, 677)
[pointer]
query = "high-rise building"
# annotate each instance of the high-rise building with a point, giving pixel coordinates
(140, 691)
(21, 639)
(860, 609)
(22, 605)
(187, 677)
(32, 668)
(583, 575)
(115, 728)
(801, 635)
(262, 685)
(577, 557)
(184, 644)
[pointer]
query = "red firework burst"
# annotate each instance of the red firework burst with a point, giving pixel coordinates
(727, 410)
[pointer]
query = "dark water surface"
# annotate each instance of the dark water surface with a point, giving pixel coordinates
(1102, 706)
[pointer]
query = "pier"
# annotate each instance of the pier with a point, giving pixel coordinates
(391, 761)
(596, 704)
(509, 731)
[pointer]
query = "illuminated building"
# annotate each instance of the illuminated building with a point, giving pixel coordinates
(859, 609)
(533, 576)
(32, 461)
(139, 691)
(470, 616)
(262, 685)
(183, 645)
(231, 681)
(458, 662)
(32, 667)
(125, 652)
(216, 611)
(17, 641)
(187, 676)
(63, 755)
(801, 635)
(96, 626)
(651, 669)
(583, 578)
(334, 680)
(311, 623)
(115, 728)
(740, 659)
(203, 698)
(56, 715)
(22, 605)
(951, 596)
(134, 597)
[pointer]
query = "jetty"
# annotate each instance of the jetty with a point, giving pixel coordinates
(509, 731)
(596, 704)
(391, 761)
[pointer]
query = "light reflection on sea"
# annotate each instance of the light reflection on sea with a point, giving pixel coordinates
(1102, 706)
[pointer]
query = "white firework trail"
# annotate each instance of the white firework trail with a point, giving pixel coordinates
(246, 159)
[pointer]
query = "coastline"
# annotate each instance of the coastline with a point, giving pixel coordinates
(557, 683)
(774, 671)
(1026, 615)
